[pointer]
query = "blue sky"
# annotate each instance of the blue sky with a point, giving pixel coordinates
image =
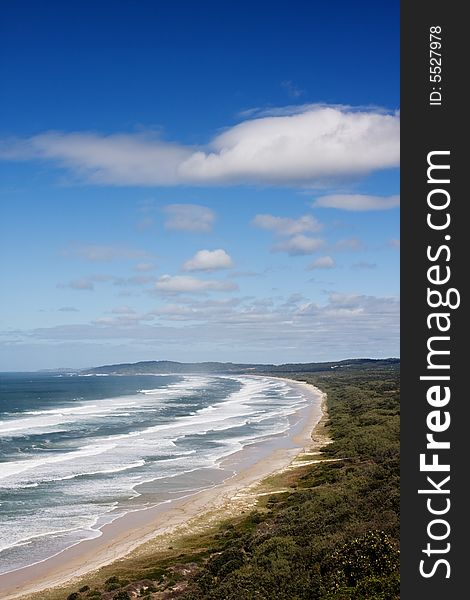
(198, 182)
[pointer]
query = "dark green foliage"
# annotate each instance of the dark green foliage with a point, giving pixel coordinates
(84, 588)
(73, 596)
(373, 553)
(112, 584)
(225, 562)
(122, 595)
(370, 588)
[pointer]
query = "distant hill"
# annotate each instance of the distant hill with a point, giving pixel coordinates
(167, 366)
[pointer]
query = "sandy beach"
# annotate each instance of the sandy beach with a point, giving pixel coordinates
(245, 469)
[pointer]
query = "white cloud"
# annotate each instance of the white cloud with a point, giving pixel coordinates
(179, 284)
(118, 159)
(83, 283)
(135, 280)
(321, 143)
(294, 329)
(299, 245)
(176, 312)
(311, 147)
(191, 309)
(189, 217)
(123, 310)
(143, 267)
(286, 225)
(208, 260)
(88, 283)
(349, 245)
(357, 202)
(394, 243)
(323, 262)
(125, 320)
(363, 264)
(236, 274)
(103, 253)
(297, 109)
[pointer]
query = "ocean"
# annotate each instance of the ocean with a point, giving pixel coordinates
(78, 451)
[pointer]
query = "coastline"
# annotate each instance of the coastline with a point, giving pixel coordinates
(134, 532)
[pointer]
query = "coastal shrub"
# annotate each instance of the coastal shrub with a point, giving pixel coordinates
(370, 588)
(156, 573)
(84, 588)
(230, 566)
(94, 594)
(112, 584)
(226, 561)
(378, 588)
(73, 596)
(373, 554)
(122, 595)
(255, 517)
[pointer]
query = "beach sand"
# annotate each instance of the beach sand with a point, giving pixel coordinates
(157, 526)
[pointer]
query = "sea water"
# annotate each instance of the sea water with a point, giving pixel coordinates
(78, 451)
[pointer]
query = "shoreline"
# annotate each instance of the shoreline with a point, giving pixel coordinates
(130, 533)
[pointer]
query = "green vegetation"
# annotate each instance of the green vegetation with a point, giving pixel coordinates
(333, 535)
(168, 366)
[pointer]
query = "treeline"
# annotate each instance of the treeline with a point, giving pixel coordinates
(168, 366)
(333, 536)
